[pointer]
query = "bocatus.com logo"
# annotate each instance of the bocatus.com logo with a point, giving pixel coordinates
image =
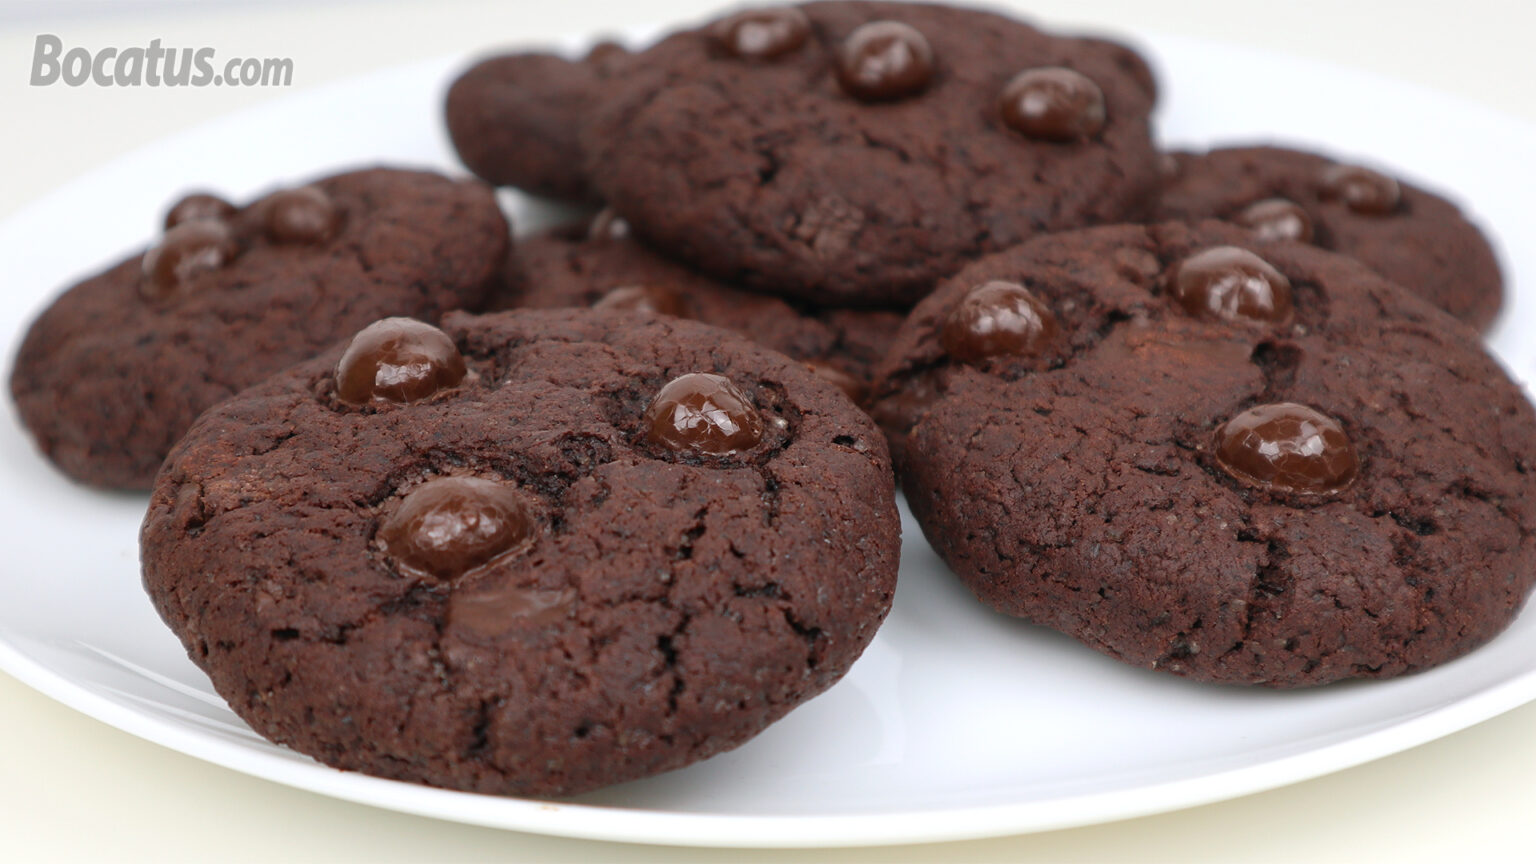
(152, 66)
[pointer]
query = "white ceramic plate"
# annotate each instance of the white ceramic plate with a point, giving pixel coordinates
(957, 722)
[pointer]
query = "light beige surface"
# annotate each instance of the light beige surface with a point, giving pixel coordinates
(72, 788)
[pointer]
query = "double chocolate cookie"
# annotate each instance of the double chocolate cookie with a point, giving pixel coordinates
(112, 373)
(606, 269)
(849, 153)
(1237, 460)
(1414, 238)
(514, 118)
(533, 553)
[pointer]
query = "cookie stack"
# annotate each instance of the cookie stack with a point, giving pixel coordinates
(536, 519)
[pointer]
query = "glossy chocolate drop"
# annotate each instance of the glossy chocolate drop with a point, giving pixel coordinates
(1053, 104)
(189, 249)
(1234, 285)
(301, 215)
(1277, 219)
(198, 205)
(1288, 448)
(762, 34)
(398, 360)
(884, 60)
(703, 413)
(1361, 189)
(607, 225)
(451, 525)
(998, 318)
(855, 389)
(650, 299)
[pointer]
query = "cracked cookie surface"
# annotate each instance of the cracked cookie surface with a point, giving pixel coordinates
(108, 378)
(1089, 486)
(1421, 241)
(661, 605)
(769, 173)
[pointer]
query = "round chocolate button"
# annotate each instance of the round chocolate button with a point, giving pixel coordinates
(1277, 219)
(884, 60)
(1053, 104)
(1232, 284)
(649, 299)
(189, 249)
(762, 34)
(302, 215)
(398, 360)
(998, 318)
(198, 205)
(1287, 447)
(1361, 189)
(703, 413)
(452, 525)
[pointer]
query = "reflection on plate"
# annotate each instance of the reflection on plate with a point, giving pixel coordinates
(957, 722)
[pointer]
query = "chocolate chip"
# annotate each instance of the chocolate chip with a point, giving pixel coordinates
(198, 205)
(1288, 448)
(187, 250)
(703, 413)
(1277, 219)
(1361, 189)
(649, 299)
(1053, 104)
(884, 60)
(998, 318)
(453, 525)
(397, 360)
(302, 215)
(1232, 284)
(762, 34)
(494, 611)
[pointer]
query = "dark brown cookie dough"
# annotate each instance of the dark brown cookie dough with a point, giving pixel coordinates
(1414, 238)
(611, 607)
(768, 172)
(112, 373)
(566, 267)
(513, 118)
(1334, 482)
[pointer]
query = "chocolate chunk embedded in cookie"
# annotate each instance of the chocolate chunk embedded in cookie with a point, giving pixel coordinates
(616, 545)
(1234, 490)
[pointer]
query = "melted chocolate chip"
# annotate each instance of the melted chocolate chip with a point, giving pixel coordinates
(185, 251)
(703, 413)
(1361, 189)
(397, 360)
(1232, 284)
(302, 215)
(607, 225)
(198, 205)
(649, 299)
(452, 525)
(494, 611)
(1277, 219)
(762, 34)
(855, 389)
(1288, 448)
(1053, 104)
(998, 318)
(884, 60)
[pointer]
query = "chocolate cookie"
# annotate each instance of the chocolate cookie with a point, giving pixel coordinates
(1414, 238)
(1237, 460)
(513, 118)
(570, 267)
(850, 153)
(117, 368)
(545, 552)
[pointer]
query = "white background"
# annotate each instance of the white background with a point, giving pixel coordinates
(74, 789)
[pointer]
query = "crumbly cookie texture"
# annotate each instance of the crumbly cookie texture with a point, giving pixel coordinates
(660, 539)
(1234, 460)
